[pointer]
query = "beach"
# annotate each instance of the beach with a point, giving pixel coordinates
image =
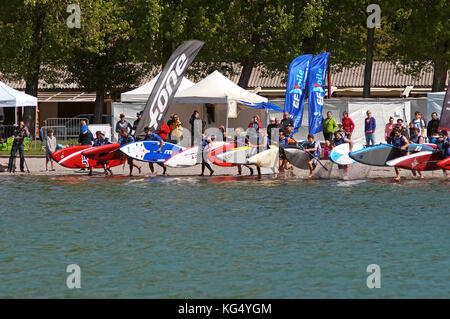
(36, 165)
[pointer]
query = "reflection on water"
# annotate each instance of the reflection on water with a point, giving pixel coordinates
(230, 237)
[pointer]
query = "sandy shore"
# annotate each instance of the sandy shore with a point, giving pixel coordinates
(36, 165)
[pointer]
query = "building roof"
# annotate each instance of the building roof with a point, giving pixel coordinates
(384, 75)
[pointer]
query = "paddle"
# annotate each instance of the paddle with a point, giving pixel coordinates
(312, 156)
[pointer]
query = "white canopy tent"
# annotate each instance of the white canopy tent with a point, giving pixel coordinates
(141, 94)
(10, 97)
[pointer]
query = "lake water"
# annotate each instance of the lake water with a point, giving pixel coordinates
(221, 237)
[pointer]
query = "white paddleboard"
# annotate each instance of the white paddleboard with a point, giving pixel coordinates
(191, 156)
(238, 155)
(339, 154)
(267, 158)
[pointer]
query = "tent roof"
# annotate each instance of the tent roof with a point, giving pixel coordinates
(13, 98)
(215, 89)
(142, 93)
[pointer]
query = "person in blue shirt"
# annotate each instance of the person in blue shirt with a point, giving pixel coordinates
(369, 129)
(99, 141)
(150, 135)
(443, 148)
(400, 142)
(206, 143)
(311, 146)
(124, 138)
(283, 141)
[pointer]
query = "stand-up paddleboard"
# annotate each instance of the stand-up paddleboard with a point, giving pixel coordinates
(378, 155)
(238, 155)
(420, 161)
(72, 157)
(106, 152)
(212, 155)
(147, 151)
(339, 154)
(445, 163)
(297, 157)
(190, 156)
(267, 158)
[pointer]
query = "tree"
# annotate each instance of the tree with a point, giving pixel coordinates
(422, 37)
(29, 34)
(106, 53)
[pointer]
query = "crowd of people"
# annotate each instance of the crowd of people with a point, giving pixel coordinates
(255, 137)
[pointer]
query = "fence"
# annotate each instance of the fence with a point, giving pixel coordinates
(72, 125)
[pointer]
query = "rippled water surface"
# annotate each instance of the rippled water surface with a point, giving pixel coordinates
(192, 237)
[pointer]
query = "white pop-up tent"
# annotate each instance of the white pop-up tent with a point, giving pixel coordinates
(219, 90)
(10, 97)
(141, 94)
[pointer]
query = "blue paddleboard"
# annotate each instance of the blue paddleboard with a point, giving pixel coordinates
(146, 151)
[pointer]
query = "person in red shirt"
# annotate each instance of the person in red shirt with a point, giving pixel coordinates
(348, 125)
(255, 124)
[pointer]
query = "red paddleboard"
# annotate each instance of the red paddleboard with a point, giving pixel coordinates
(445, 163)
(421, 161)
(71, 157)
(106, 152)
(218, 150)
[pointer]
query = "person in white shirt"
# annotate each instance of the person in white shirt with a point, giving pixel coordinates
(50, 149)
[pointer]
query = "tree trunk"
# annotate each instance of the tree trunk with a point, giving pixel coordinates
(439, 76)
(29, 113)
(369, 62)
(247, 69)
(98, 109)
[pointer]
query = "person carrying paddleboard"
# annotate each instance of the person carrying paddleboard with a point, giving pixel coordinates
(311, 147)
(339, 138)
(416, 138)
(125, 138)
(400, 142)
(283, 141)
(241, 140)
(443, 147)
(151, 136)
(259, 146)
(99, 141)
(206, 143)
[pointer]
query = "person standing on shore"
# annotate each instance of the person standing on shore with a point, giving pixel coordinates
(369, 129)
(388, 130)
(416, 138)
(50, 148)
(20, 133)
(419, 123)
(286, 121)
(124, 138)
(85, 137)
(206, 143)
(136, 122)
(272, 126)
(401, 143)
(329, 126)
(176, 129)
(347, 125)
(432, 128)
(122, 123)
(197, 127)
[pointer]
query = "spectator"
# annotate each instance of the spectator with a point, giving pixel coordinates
(327, 150)
(403, 130)
(411, 129)
(329, 126)
(176, 129)
(50, 149)
(369, 129)
(122, 123)
(223, 133)
(419, 122)
(136, 122)
(272, 126)
(341, 131)
(286, 121)
(432, 128)
(197, 127)
(85, 137)
(348, 125)
(388, 130)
